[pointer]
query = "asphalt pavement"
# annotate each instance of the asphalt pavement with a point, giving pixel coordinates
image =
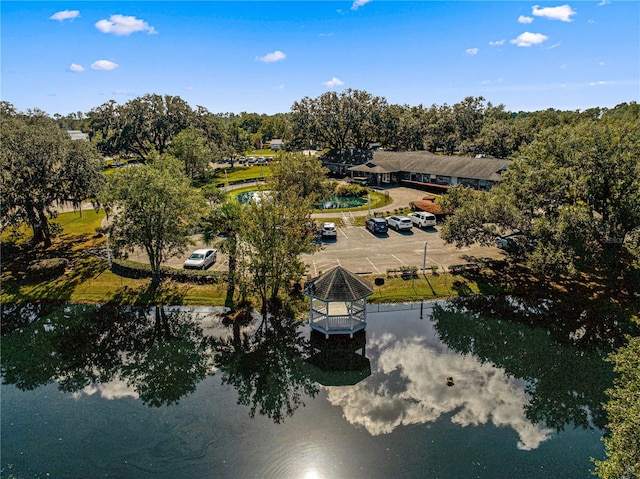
(359, 251)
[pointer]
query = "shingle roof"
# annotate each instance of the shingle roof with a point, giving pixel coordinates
(442, 165)
(338, 284)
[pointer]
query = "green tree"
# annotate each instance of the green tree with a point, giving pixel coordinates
(574, 193)
(340, 121)
(41, 166)
(623, 412)
(191, 148)
(238, 141)
(83, 173)
(141, 125)
(153, 207)
(304, 174)
(225, 219)
(274, 233)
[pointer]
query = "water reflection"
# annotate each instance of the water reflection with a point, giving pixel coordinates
(565, 384)
(267, 367)
(155, 355)
(410, 388)
(340, 359)
(506, 373)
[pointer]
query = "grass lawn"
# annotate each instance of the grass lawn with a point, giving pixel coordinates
(238, 174)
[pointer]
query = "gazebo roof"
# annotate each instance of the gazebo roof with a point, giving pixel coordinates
(338, 284)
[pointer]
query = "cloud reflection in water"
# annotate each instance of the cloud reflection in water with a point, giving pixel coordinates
(409, 387)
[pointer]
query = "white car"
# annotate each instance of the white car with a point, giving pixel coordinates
(329, 229)
(200, 259)
(399, 222)
(422, 219)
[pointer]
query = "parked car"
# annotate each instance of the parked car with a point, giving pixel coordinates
(422, 219)
(261, 161)
(200, 259)
(511, 243)
(399, 222)
(376, 225)
(329, 230)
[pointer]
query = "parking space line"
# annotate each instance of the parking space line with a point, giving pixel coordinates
(399, 260)
(374, 266)
(345, 235)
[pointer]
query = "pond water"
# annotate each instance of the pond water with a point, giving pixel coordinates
(132, 393)
(333, 202)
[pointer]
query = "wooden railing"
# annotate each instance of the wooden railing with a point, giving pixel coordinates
(339, 323)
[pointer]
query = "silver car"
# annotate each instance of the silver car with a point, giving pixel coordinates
(200, 259)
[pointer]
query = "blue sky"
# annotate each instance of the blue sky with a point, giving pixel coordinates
(262, 56)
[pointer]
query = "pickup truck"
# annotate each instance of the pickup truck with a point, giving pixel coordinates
(422, 219)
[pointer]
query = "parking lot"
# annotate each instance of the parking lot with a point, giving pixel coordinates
(359, 251)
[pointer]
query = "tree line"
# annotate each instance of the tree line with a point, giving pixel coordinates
(348, 120)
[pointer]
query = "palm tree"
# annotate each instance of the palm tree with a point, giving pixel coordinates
(224, 219)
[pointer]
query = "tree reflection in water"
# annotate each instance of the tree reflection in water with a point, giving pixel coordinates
(267, 368)
(162, 355)
(566, 384)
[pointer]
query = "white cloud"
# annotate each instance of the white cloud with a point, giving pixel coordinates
(104, 65)
(603, 3)
(563, 12)
(472, 51)
(325, 34)
(333, 82)
(497, 43)
(74, 67)
(65, 15)
(528, 39)
(272, 57)
(525, 19)
(123, 25)
(119, 91)
(601, 83)
(359, 3)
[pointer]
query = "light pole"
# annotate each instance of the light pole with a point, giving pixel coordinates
(424, 259)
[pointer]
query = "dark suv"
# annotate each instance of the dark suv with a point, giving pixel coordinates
(376, 225)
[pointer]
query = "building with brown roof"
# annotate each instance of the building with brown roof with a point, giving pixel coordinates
(423, 168)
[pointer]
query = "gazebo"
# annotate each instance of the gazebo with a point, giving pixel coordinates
(338, 302)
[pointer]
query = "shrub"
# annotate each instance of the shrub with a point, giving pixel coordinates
(131, 269)
(45, 269)
(352, 190)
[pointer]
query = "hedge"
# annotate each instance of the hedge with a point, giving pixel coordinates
(132, 269)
